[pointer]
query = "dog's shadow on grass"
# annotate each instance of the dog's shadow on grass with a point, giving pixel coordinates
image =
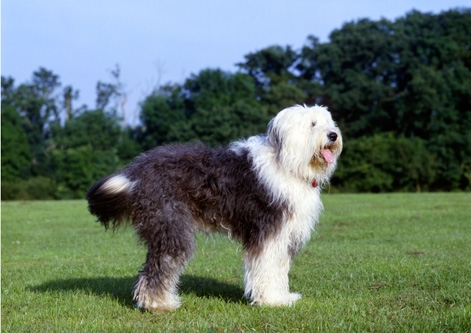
(121, 288)
(211, 288)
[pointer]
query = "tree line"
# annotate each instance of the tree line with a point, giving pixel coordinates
(399, 90)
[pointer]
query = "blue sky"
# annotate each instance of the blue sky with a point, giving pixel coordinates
(156, 42)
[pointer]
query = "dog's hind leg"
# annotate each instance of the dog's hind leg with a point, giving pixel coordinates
(170, 247)
(266, 274)
(156, 285)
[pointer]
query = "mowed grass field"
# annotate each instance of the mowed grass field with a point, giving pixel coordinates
(376, 263)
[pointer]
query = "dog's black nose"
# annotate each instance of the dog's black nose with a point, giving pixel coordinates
(332, 136)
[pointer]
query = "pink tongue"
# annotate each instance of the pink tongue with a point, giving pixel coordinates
(327, 154)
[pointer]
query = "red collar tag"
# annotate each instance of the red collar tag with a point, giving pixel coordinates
(314, 183)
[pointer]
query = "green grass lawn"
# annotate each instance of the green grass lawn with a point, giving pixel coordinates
(382, 263)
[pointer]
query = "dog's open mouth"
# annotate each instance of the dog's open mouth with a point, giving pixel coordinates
(328, 156)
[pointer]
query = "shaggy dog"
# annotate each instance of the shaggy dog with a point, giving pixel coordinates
(263, 191)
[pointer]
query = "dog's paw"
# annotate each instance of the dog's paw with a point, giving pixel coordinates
(171, 303)
(293, 297)
(288, 299)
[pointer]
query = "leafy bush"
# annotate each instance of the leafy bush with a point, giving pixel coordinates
(384, 163)
(39, 188)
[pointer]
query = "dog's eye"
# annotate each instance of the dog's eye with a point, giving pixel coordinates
(313, 124)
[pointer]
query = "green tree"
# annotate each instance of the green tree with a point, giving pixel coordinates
(353, 71)
(96, 128)
(215, 107)
(270, 65)
(69, 95)
(162, 114)
(63, 149)
(385, 163)
(436, 99)
(87, 148)
(282, 95)
(273, 70)
(16, 158)
(35, 102)
(106, 92)
(411, 77)
(222, 107)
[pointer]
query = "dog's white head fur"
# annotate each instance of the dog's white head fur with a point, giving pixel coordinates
(301, 135)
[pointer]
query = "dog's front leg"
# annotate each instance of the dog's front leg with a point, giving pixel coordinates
(266, 274)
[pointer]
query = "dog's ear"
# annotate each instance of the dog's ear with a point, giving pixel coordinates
(273, 135)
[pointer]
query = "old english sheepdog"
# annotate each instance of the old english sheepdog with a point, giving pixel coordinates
(263, 191)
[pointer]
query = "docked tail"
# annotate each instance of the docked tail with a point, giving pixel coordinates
(109, 199)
